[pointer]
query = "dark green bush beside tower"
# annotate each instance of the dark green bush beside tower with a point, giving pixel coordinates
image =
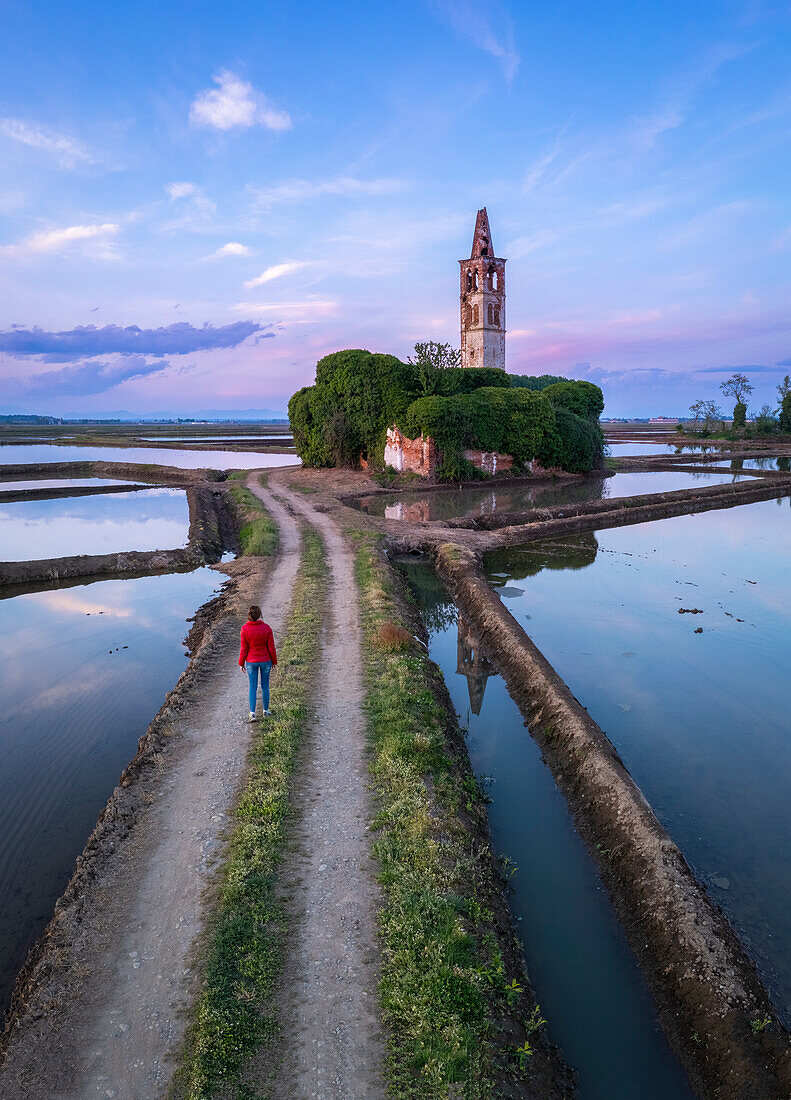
(359, 394)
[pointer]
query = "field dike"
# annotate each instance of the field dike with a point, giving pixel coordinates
(209, 533)
(711, 1002)
(462, 1019)
(241, 955)
(51, 973)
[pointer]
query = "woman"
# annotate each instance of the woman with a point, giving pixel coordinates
(258, 653)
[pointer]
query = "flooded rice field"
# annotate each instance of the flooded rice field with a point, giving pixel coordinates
(59, 483)
(620, 448)
(776, 464)
(675, 636)
(445, 504)
(11, 454)
(585, 977)
(146, 519)
(85, 669)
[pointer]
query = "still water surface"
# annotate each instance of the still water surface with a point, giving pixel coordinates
(584, 974)
(158, 456)
(147, 519)
(75, 702)
(59, 483)
(700, 720)
(455, 503)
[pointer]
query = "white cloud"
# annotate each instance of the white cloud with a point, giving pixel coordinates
(274, 272)
(297, 190)
(56, 240)
(181, 190)
(232, 248)
(234, 102)
(468, 21)
(302, 312)
(66, 151)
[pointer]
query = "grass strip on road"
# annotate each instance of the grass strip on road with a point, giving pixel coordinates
(446, 988)
(258, 535)
(243, 953)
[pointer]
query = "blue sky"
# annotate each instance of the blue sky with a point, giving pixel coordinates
(199, 200)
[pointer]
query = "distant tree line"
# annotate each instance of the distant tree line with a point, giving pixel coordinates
(708, 414)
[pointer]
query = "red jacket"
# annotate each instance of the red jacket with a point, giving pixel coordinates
(258, 643)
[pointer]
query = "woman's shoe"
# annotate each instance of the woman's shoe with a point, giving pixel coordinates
(267, 714)
(251, 716)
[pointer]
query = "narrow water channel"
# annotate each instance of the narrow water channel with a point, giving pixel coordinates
(585, 977)
(84, 670)
(676, 636)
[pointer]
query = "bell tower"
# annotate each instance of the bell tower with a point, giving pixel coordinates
(482, 301)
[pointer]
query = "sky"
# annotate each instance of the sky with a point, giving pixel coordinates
(199, 200)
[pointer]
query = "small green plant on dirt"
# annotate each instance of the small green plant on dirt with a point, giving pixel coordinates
(760, 1025)
(508, 866)
(536, 1021)
(242, 951)
(513, 991)
(523, 1054)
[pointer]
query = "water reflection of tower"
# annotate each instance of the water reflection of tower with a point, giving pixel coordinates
(471, 663)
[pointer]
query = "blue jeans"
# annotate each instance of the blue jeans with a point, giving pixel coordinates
(253, 668)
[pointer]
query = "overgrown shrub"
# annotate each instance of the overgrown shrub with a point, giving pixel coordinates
(739, 415)
(577, 445)
(583, 398)
(534, 382)
(516, 422)
(784, 422)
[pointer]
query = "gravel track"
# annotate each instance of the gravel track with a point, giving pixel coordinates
(332, 1046)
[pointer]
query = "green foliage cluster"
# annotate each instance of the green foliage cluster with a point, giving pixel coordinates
(444, 980)
(235, 1011)
(359, 394)
(739, 415)
(535, 381)
(785, 413)
(516, 422)
(582, 398)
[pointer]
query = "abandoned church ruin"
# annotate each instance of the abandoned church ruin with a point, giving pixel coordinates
(482, 301)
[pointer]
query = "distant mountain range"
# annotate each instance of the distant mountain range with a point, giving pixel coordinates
(165, 414)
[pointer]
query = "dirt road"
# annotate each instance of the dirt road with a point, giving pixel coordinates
(333, 1047)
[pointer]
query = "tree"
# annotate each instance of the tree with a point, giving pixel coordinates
(430, 358)
(739, 387)
(784, 393)
(707, 411)
(765, 420)
(436, 356)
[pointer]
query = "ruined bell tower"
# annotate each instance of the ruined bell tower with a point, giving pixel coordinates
(482, 301)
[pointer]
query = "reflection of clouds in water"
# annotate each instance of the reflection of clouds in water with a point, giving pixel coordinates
(69, 602)
(73, 686)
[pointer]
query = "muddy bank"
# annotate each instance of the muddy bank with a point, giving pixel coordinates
(706, 988)
(151, 474)
(500, 520)
(56, 965)
(211, 531)
(8, 496)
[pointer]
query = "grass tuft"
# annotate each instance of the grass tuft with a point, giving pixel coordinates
(259, 535)
(234, 1015)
